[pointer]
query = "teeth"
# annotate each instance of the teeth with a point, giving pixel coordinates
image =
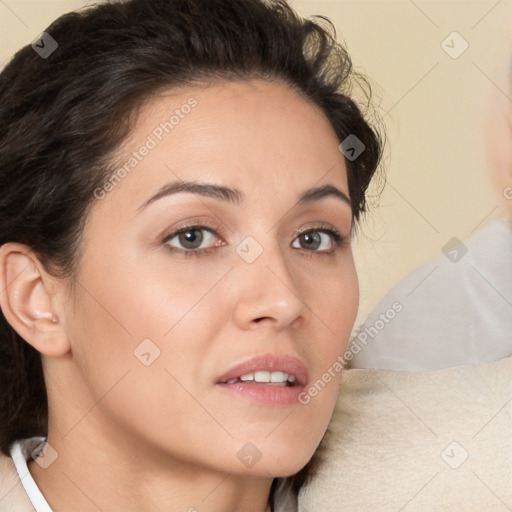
(262, 376)
(265, 376)
(278, 377)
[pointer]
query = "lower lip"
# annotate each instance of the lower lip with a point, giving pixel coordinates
(267, 394)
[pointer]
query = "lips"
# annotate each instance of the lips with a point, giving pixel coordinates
(269, 363)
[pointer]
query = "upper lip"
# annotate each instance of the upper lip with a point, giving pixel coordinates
(271, 363)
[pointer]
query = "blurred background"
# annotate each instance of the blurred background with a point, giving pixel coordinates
(436, 68)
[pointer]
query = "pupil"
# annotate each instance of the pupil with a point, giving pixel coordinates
(312, 240)
(191, 239)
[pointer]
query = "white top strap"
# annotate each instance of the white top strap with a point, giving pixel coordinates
(21, 451)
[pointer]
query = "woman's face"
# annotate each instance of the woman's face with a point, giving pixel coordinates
(153, 329)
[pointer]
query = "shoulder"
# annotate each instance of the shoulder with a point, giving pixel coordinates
(453, 310)
(12, 492)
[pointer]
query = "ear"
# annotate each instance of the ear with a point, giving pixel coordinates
(31, 300)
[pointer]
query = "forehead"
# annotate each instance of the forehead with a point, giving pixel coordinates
(258, 136)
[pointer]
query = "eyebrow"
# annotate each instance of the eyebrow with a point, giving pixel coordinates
(234, 196)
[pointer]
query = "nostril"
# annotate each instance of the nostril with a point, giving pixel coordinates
(261, 318)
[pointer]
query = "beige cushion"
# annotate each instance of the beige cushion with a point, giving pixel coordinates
(429, 441)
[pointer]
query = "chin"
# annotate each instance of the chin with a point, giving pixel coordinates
(283, 460)
(285, 468)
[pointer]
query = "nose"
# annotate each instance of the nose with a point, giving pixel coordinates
(267, 293)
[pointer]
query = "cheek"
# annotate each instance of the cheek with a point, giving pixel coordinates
(334, 301)
(161, 318)
(337, 311)
(149, 299)
(134, 377)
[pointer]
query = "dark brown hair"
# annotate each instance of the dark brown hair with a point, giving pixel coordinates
(64, 115)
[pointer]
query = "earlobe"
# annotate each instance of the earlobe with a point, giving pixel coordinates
(28, 300)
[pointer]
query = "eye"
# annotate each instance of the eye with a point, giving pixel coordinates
(199, 240)
(322, 239)
(189, 239)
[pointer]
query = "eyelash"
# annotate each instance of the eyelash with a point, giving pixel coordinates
(340, 241)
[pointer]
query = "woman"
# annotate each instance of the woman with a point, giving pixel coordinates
(180, 183)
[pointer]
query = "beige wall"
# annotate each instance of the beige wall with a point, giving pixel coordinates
(437, 180)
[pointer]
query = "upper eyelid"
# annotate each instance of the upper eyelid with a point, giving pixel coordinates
(215, 229)
(194, 225)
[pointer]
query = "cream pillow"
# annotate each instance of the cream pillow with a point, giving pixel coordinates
(418, 441)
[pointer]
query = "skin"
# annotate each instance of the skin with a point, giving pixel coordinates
(162, 437)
